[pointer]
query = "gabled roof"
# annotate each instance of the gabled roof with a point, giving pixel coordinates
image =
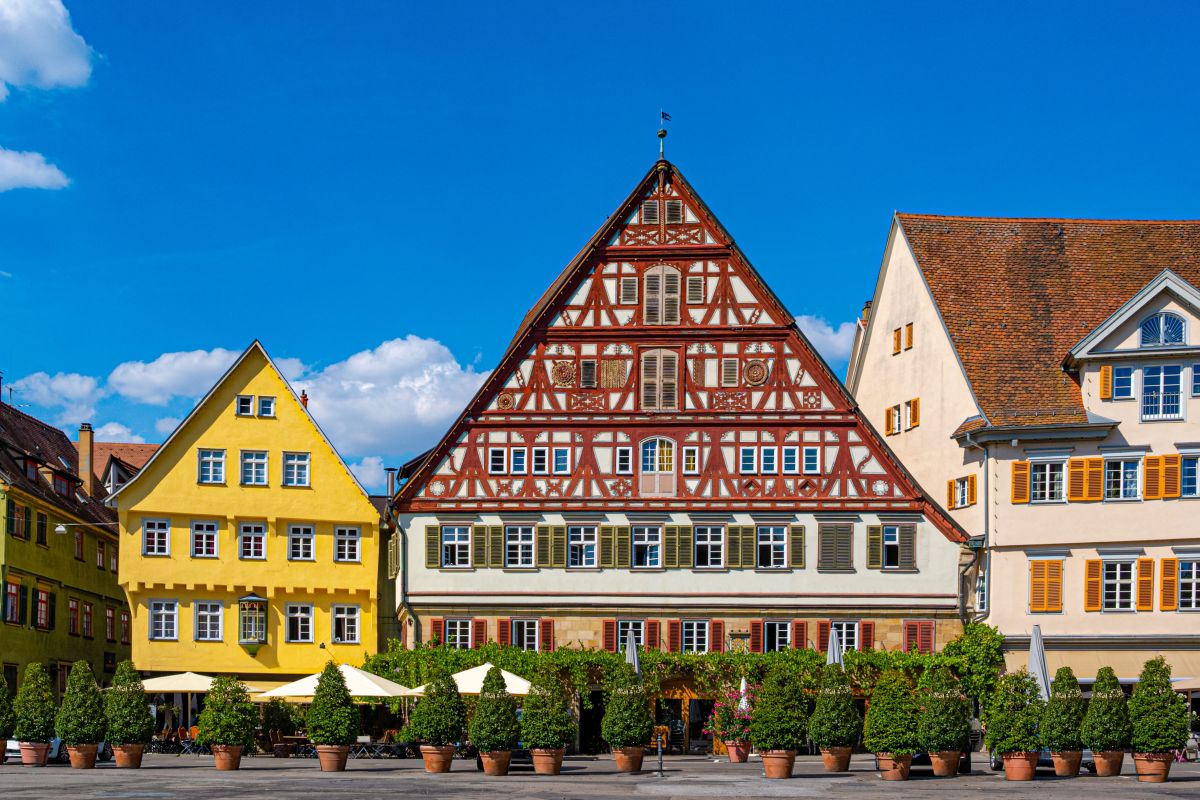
(130, 455)
(1017, 295)
(1166, 281)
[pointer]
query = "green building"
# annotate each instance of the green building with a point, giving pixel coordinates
(59, 552)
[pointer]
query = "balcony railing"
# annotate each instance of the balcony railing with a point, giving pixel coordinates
(1161, 405)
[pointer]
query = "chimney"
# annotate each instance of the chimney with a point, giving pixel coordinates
(866, 314)
(304, 398)
(391, 482)
(86, 473)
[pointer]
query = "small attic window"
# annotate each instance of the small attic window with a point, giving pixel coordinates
(674, 212)
(649, 212)
(244, 406)
(31, 469)
(1160, 329)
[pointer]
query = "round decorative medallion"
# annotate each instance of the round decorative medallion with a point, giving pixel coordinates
(563, 373)
(811, 399)
(437, 488)
(505, 401)
(756, 373)
(880, 488)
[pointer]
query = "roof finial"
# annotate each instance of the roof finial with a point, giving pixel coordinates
(663, 119)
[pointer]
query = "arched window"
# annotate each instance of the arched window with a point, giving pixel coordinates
(661, 297)
(658, 468)
(660, 380)
(1163, 328)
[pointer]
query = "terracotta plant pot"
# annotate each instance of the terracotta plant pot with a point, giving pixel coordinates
(1020, 766)
(128, 756)
(283, 750)
(836, 759)
(1108, 762)
(945, 763)
(83, 756)
(34, 754)
(778, 763)
(1066, 763)
(227, 756)
(495, 762)
(1153, 767)
(437, 757)
(738, 752)
(629, 759)
(894, 768)
(547, 760)
(333, 757)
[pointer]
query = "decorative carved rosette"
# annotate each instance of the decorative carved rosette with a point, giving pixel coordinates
(755, 372)
(563, 373)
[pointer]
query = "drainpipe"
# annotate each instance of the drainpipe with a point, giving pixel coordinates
(403, 534)
(981, 555)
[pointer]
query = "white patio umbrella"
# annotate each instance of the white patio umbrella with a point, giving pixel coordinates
(631, 654)
(833, 654)
(185, 683)
(359, 683)
(470, 681)
(1037, 661)
(743, 701)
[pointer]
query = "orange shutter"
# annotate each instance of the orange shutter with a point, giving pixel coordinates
(546, 635)
(1037, 586)
(756, 636)
(608, 636)
(1172, 466)
(478, 632)
(925, 637)
(950, 493)
(1106, 383)
(823, 636)
(1093, 578)
(914, 413)
(909, 636)
(1145, 584)
(674, 635)
(1020, 482)
(1077, 480)
(887, 423)
(799, 634)
(1169, 594)
(1095, 478)
(895, 341)
(716, 630)
(1054, 574)
(652, 634)
(1152, 488)
(866, 635)
(908, 336)
(971, 484)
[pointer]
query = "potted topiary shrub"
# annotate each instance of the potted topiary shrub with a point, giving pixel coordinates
(80, 721)
(1106, 728)
(1160, 721)
(627, 725)
(495, 729)
(332, 720)
(130, 724)
(6, 718)
(730, 722)
(1061, 723)
(438, 721)
(836, 724)
(1011, 718)
(281, 718)
(890, 730)
(945, 723)
(227, 722)
(779, 722)
(547, 726)
(34, 710)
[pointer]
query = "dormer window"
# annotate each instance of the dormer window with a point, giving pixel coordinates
(31, 469)
(1162, 329)
(62, 485)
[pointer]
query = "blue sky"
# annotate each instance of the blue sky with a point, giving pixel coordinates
(379, 191)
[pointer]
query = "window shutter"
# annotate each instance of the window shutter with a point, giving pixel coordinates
(1077, 480)
(543, 545)
(23, 606)
(1172, 466)
(669, 381)
(895, 341)
(796, 547)
(649, 212)
(1169, 596)
(733, 547)
(909, 636)
(629, 290)
(908, 547)
(1037, 586)
(695, 289)
(478, 632)
(670, 554)
(558, 548)
(433, 547)
(1054, 574)
(866, 635)
(652, 642)
(479, 547)
(1106, 382)
(670, 309)
(716, 636)
(950, 494)
(823, 628)
(826, 547)
(652, 315)
(504, 631)
(729, 372)
(749, 540)
(1145, 584)
(608, 635)
(756, 636)
(545, 635)
(607, 547)
(925, 637)
(972, 485)
(650, 381)
(845, 547)
(1152, 488)
(587, 373)
(623, 534)
(1092, 571)
(908, 336)
(52, 608)
(1095, 478)
(496, 546)
(799, 634)
(674, 635)
(437, 630)
(674, 212)
(914, 413)
(1020, 482)
(874, 547)
(687, 549)
(888, 430)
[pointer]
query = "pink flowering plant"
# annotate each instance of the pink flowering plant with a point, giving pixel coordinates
(729, 721)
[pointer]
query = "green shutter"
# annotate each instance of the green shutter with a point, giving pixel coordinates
(671, 546)
(908, 546)
(51, 611)
(826, 547)
(543, 545)
(623, 544)
(687, 549)
(796, 549)
(433, 546)
(607, 546)
(558, 547)
(23, 608)
(10, 508)
(874, 547)
(733, 549)
(496, 546)
(479, 546)
(749, 540)
(28, 522)
(845, 547)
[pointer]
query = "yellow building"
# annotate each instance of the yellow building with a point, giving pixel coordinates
(248, 547)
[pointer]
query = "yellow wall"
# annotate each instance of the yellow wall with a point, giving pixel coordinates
(168, 488)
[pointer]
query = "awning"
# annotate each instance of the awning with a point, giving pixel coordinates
(359, 683)
(185, 683)
(470, 681)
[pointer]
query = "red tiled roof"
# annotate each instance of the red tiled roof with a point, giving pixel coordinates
(1017, 294)
(133, 454)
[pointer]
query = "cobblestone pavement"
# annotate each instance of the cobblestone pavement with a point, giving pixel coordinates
(687, 778)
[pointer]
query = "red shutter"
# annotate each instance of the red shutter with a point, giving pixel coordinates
(652, 634)
(823, 635)
(437, 630)
(909, 636)
(799, 635)
(545, 635)
(866, 636)
(503, 630)
(925, 637)
(608, 636)
(716, 636)
(478, 632)
(674, 635)
(756, 636)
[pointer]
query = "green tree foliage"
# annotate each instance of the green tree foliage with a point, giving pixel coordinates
(1159, 714)
(494, 725)
(228, 718)
(976, 656)
(125, 708)
(332, 717)
(441, 715)
(282, 716)
(545, 719)
(1013, 714)
(7, 718)
(80, 720)
(945, 721)
(779, 720)
(835, 721)
(35, 706)
(1106, 724)
(891, 724)
(627, 721)
(1063, 717)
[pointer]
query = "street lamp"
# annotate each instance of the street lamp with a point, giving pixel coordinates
(61, 528)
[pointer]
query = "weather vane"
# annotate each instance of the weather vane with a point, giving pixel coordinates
(663, 119)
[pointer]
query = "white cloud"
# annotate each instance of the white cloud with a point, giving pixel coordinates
(4, 274)
(28, 170)
(74, 394)
(116, 432)
(370, 473)
(186, 374)
(833, 344)
(166, 424)
(39, 48)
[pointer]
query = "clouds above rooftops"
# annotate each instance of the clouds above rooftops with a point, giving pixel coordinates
(834, 344)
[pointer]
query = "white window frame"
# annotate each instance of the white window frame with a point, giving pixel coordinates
(623, 454)
(461, 543)
(347, 544)
(1159, 317)
(896, 419)
(497, 460)
(635, 626)
(302, 538)
(781, 631)
(651, 537)
(751, 452)
(1045, 494)
(248, 401)
(542, 454)
(695, 636)
(815, 451)
(461, 628)
(297, 469)
(253, 460)
(1122, 496)
(163, 612)
(692, 453)
(1132, 393)
(1196, 380)
(351, 617)
(565, 453)
(215, 460)
(776, 540)
(1189, 586)
(529, 629)
(520, 547)
(962, 492)
(1160, 386)
(1189, 463)
(266, 406)
(518, 461)
(768, 460)
(789, 459)
(302, 615)
(712, 538)
(205, 612)
(156, 532)
(205, 530)
(249, 532)
(889, 550)
(1119, 584)
(848, 633)
(582, 545)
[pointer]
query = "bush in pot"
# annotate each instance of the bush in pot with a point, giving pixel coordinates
(34, 710)
(332, 720)
(7, 718)
(438, 721)
(1012, 718)
(890, 730)
(130, 723)
(227, 722)
(495, 729)
(1106, 727)
(945, 724)
(1160, 721)
(627, 725)
(1061, 723)
(547, 726)
(779, 722)
(80, 722)
(730, 722)
(836, 724)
